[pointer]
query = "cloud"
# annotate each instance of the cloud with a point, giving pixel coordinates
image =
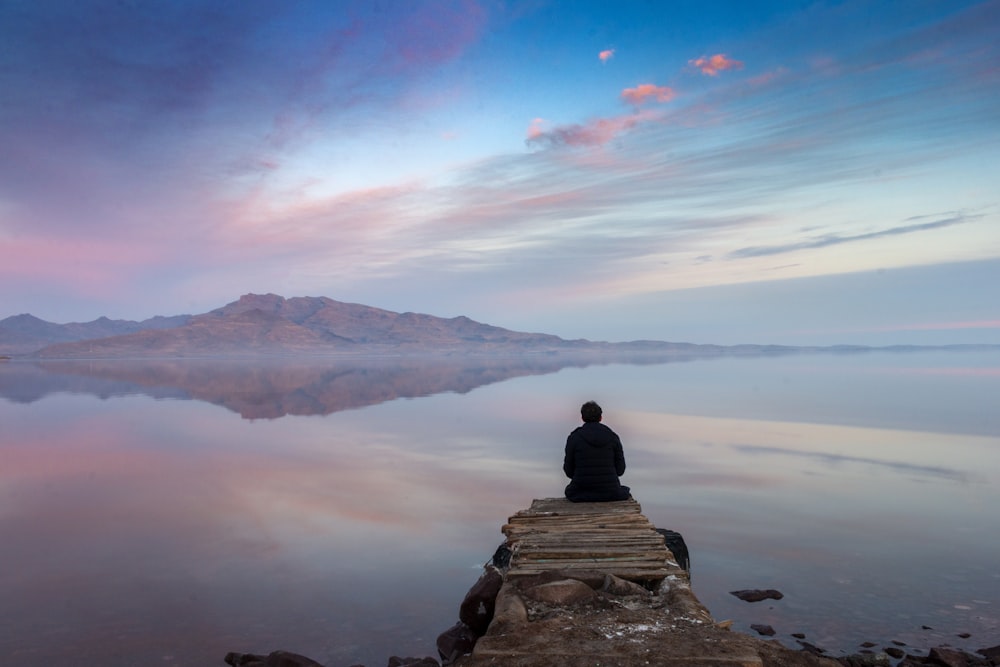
(606, 55)
(712, 65)
(646, 91)
(768, 77)
(98, 146)
(836, 239)
(596, 132)
(430, 34)
(535, 128)
(903, 467)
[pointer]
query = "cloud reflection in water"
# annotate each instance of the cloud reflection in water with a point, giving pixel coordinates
(137, 528)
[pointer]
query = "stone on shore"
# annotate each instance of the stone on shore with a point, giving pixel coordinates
(477, 609)
(456, 641)
(756, 594)
(764, 630)
(428, 661)
(273, 659)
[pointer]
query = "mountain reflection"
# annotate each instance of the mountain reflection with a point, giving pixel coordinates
(269, 389)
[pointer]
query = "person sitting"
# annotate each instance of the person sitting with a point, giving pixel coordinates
(594, 460)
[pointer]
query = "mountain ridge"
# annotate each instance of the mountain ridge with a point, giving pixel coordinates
(267, 324)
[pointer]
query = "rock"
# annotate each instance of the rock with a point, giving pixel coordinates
(618, 586)
(454, 642)
(949, 657)
(562, 593)
(811, 648)
(865, 660)
(501, 557)
(868, 644)
(894, 652)
(756, 595)
(396, 661)
(273, 659)
(593, 578)
(675, 542)
(765, 630)
(992, 654)
(798, 635)
(477, 609)
(510, 609)
(964, 635)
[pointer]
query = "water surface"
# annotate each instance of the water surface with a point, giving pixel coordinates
(168, 512)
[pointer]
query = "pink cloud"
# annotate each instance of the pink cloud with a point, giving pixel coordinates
(90, 266)
(606, 55)
(646, 91)
(596, 132)
(712, 65)
(768, 77)
(428, 35)
(535, 128)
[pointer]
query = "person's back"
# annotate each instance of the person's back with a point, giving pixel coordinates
(594, 460)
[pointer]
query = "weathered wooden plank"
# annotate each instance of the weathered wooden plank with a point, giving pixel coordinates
(579, 525)
(597, 530)
(583, 510)
(591, 553)
(631, 574)
(590, 512)
(603, 528)
(555, 534)
(565, 505)
(528, 547)
(614, 558)
(589, 539)
(568, 545)
(569, 526)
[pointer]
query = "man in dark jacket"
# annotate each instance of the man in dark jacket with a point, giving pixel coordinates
(594, 460)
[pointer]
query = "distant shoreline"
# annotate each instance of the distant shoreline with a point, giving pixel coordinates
(260, 326)
(640, 350)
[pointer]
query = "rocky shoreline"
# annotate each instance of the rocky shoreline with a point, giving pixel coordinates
(549, 606)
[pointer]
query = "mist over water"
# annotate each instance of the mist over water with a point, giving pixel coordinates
(168, 513)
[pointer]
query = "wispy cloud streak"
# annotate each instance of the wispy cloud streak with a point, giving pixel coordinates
(829, 457)
(596, 132)
(837, 239)
(252, 161)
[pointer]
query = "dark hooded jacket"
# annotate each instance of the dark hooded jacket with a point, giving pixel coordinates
(594, 461)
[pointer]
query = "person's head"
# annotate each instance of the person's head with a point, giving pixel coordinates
(590, 411)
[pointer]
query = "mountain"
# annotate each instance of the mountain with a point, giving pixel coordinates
(268, 324)
(271, 324)
(25, 333)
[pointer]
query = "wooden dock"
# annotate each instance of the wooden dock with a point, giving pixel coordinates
(615, 538)
(595, 584)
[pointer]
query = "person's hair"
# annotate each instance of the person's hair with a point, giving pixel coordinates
(590, 411)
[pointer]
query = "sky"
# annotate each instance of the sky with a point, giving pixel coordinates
(728, 172)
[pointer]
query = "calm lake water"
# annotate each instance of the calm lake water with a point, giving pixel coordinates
(166, 513)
